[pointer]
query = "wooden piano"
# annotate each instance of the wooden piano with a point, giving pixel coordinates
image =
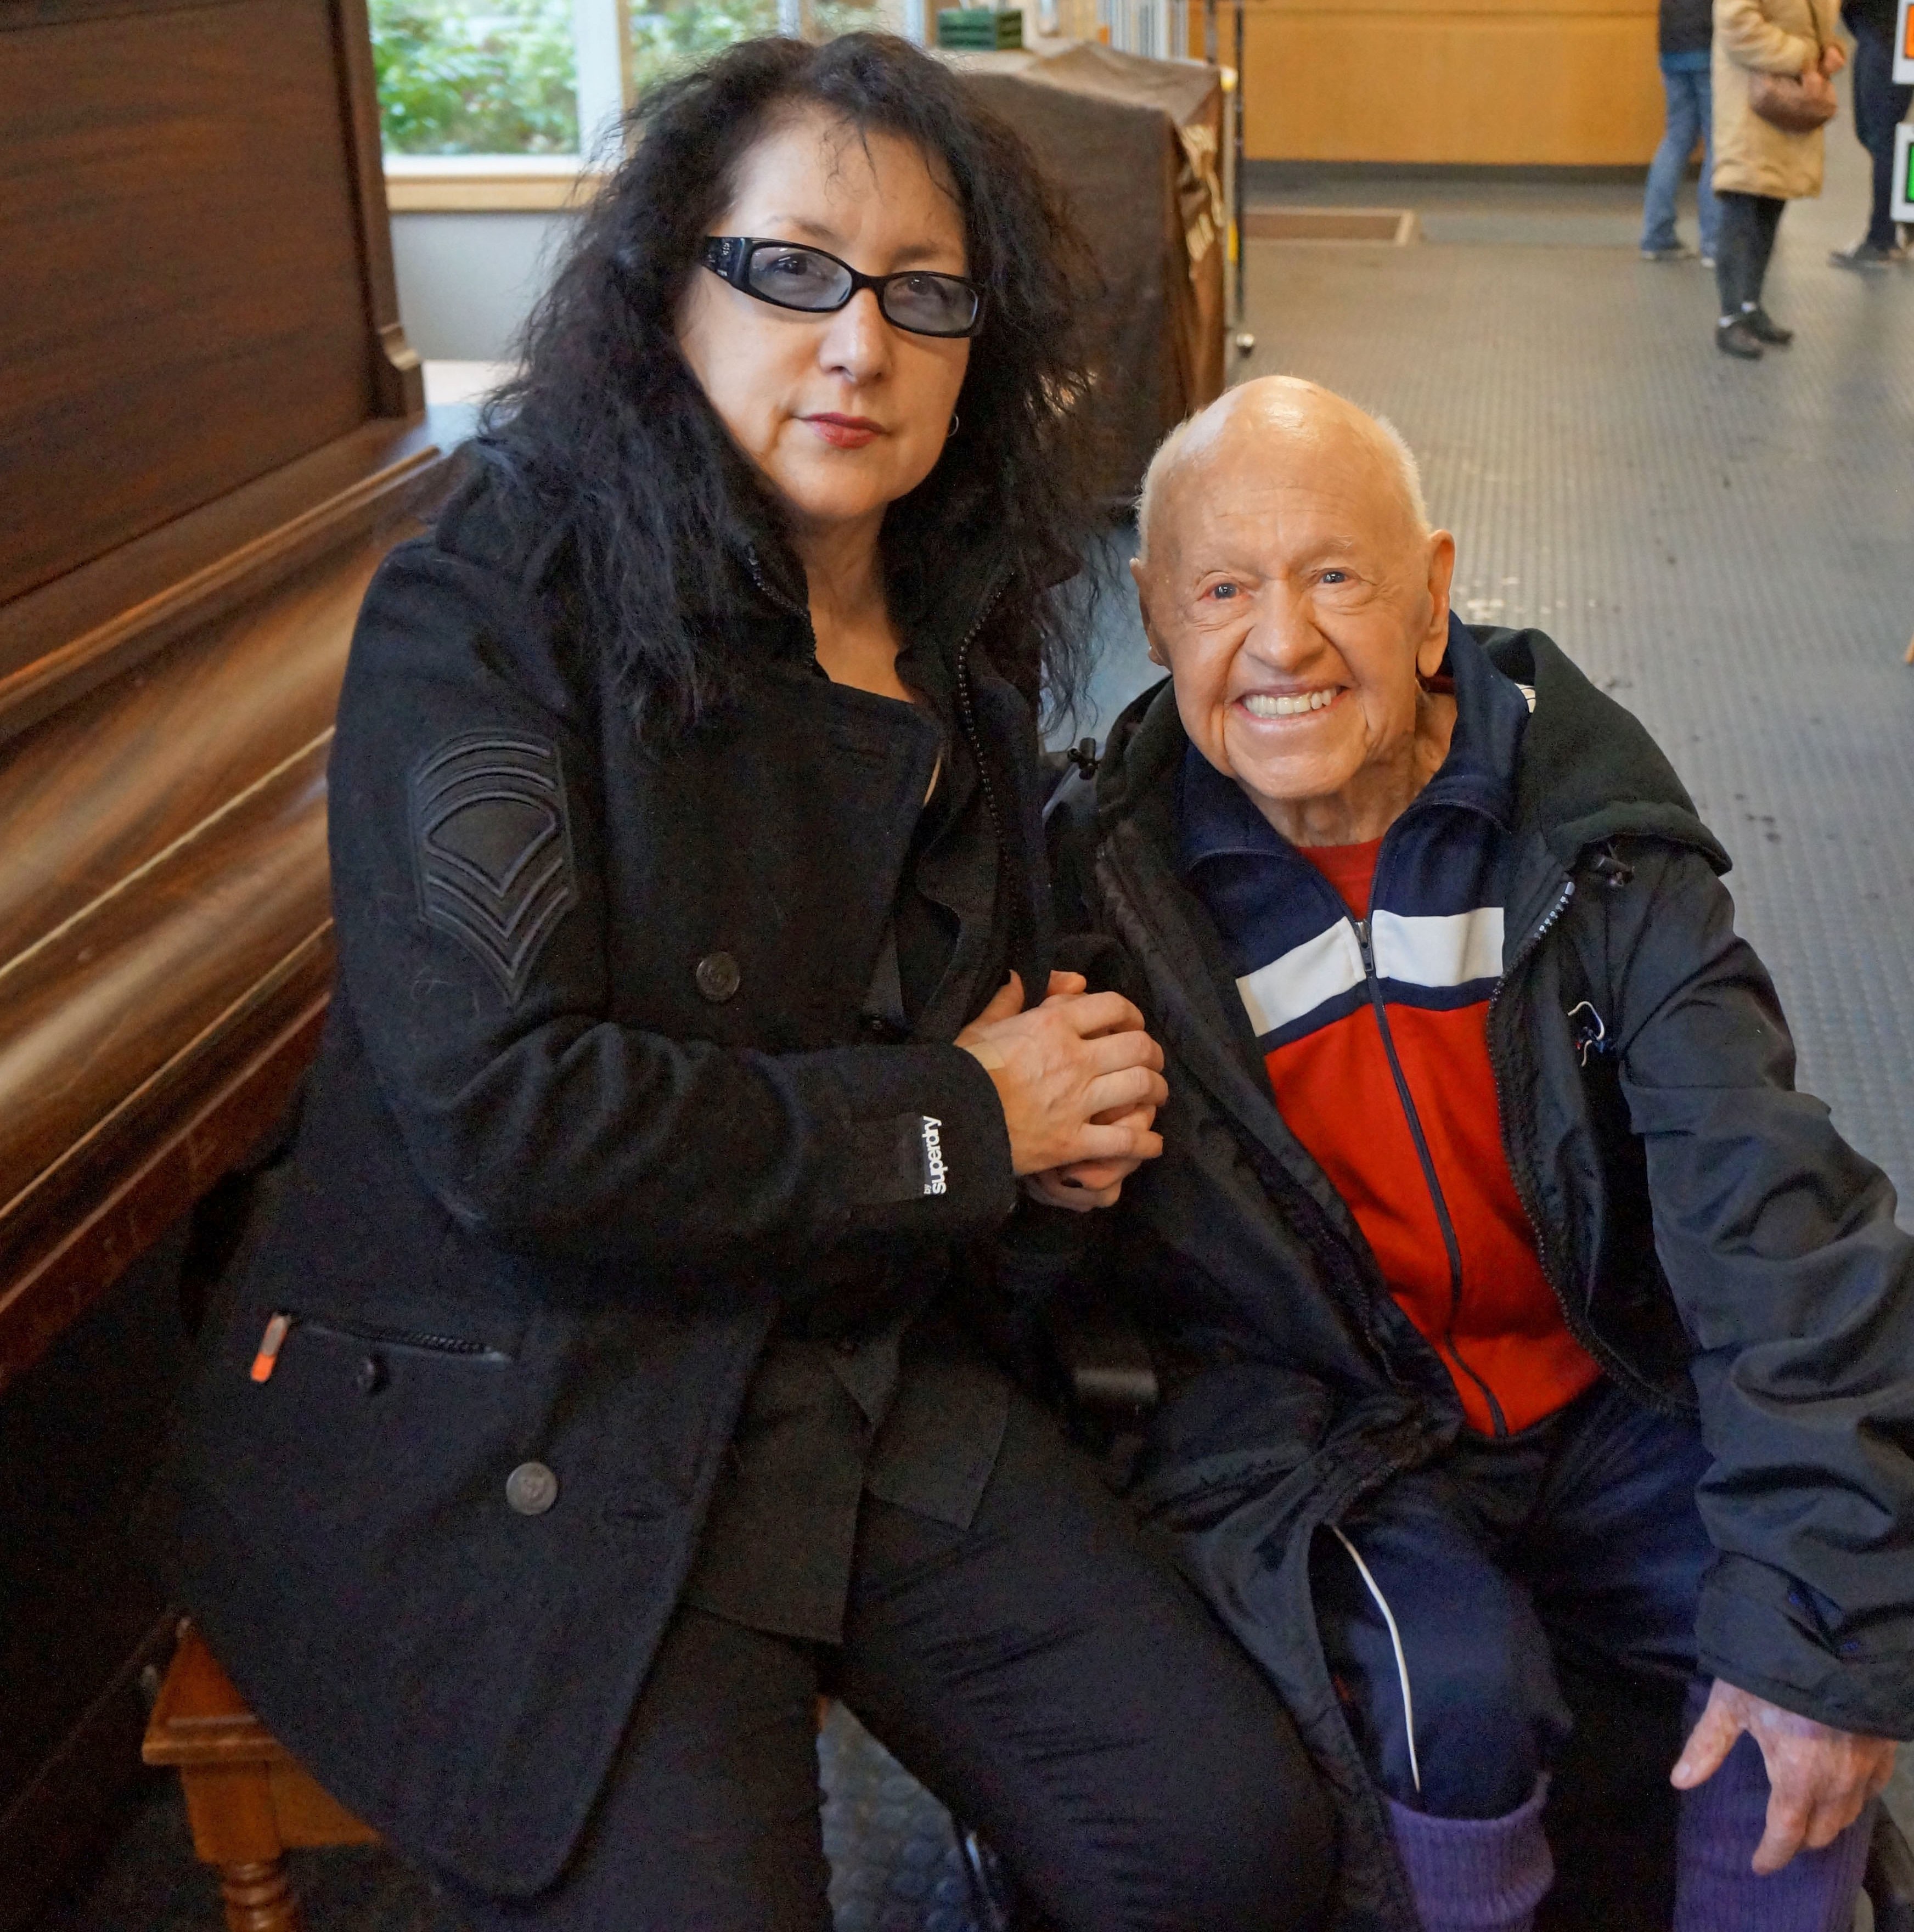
(211, 429)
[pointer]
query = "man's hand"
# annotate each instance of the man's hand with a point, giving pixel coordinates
(1833, 58)
(1074, 1075)
(1819, 1778)
(1089, 1184)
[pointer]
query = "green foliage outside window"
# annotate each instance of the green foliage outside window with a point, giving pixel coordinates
(454, 79)
(499, 77)
(666, 41)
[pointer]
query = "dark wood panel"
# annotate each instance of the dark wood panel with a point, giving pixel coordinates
(55, 1819)
(211, 426)
(189, 1138)
(186, 305)
(104, 1002)
(398, 381)
(95, 792)
(63, 640)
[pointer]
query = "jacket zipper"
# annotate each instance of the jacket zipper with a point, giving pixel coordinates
(1525, 1185)
(785, 604)
(967, 707)
(1451, 1246)
(280, 1325)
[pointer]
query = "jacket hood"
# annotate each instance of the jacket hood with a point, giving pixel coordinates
(1586, 771)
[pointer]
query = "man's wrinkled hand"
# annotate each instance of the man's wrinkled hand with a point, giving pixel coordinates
(1091, 1183)
(1819, 1779)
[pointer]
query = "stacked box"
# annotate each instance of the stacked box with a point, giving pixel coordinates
(979, 29)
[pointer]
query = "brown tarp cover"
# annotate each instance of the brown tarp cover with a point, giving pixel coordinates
(1136, 145)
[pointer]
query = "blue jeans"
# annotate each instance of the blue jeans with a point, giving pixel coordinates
(1879, 107)
(1577, 1541)
(1684, 80)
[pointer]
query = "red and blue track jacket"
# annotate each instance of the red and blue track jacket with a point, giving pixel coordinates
(1372, 1022)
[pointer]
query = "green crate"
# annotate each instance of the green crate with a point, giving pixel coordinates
(979, 29)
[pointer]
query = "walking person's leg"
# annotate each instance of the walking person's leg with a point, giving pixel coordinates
(1879, 107)
(1738, 265)
(1660, 240)
(1708, 207)
(1768, 212)
(1047, 1673)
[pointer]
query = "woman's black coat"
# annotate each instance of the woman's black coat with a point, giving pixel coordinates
(595, 1101)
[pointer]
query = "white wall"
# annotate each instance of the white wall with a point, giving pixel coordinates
(466, 281)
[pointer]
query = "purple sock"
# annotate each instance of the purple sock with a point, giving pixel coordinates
(1717, 1890)
(1475, 1874)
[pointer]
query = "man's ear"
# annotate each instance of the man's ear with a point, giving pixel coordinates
(1139, 575)
(1435, 644)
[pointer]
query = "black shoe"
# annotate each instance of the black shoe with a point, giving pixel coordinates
(1733, 337)
(1867, 255)
(1764, 328)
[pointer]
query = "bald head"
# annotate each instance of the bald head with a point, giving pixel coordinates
(1285, 415)
(1291, 582)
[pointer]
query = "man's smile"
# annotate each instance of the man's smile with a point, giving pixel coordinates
(1290, 704)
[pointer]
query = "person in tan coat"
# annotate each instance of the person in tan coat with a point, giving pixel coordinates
(1759, 165)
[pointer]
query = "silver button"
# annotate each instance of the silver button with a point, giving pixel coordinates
(531, 1488)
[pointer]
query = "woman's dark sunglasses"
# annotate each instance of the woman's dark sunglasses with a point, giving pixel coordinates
(789, 275)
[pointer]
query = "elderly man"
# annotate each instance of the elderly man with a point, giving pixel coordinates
(1522, 1315)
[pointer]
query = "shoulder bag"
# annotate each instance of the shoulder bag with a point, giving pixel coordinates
(1784, 100)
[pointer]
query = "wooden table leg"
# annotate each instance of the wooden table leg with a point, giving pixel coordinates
(235, 1829)
(259, 1898)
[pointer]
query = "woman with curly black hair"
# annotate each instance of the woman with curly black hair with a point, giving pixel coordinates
(601, 1394)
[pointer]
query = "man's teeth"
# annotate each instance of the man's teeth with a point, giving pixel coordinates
(1260, 705)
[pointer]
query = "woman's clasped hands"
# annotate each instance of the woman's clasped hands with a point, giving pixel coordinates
(1080, 1082)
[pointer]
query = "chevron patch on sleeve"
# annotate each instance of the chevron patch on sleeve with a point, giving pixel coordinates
(493, 844)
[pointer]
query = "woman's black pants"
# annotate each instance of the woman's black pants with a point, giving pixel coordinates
(1747, 240)
(1045, 1672)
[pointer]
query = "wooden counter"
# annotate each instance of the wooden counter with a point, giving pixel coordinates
(1502, 83)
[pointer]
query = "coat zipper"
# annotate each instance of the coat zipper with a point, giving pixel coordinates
(1525, 1185)
(1451, 1246)
(280, 1325)
(966, 707)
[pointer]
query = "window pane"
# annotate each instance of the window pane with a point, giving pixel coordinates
(667, 40)
(475, 76)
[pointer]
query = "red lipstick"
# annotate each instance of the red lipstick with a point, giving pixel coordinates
(845, 432)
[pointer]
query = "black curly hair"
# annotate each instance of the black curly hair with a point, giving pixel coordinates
(607, 435)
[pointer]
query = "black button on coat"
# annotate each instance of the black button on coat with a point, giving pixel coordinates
(593, 1106)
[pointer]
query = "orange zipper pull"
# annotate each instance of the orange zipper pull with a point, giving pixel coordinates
(270, 1344)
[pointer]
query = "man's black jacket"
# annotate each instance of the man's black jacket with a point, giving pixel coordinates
(596, 1101)
(1713, 1240)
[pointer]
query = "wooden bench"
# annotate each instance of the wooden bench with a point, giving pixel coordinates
(248, 1799)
